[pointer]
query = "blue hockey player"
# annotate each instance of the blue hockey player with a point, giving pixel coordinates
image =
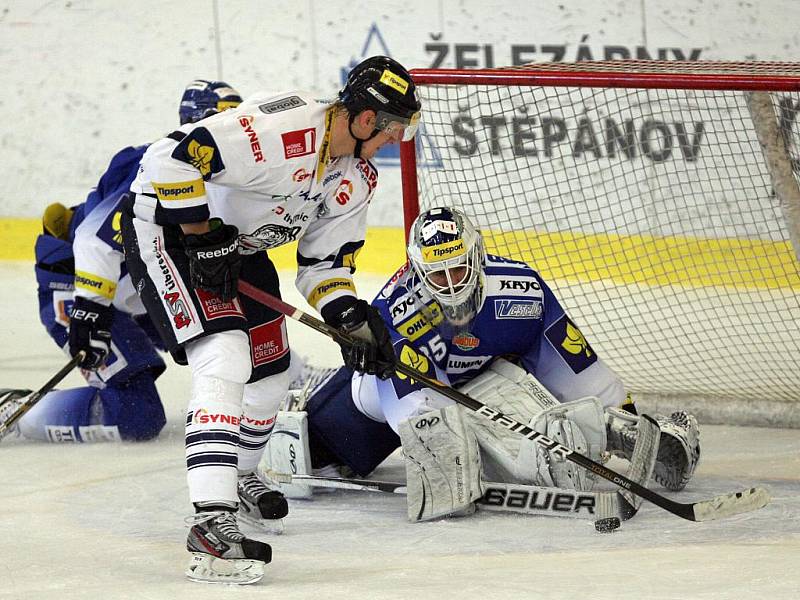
(87, 302)
(485, 324)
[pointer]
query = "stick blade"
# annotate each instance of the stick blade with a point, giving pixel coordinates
(728, 505)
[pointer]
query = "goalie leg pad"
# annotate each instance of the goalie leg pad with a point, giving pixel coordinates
(287, 452)
(442, 464)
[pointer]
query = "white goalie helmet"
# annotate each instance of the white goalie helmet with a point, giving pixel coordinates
(446, 252)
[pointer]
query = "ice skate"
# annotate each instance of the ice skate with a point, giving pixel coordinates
(221, 553)
(261, 506)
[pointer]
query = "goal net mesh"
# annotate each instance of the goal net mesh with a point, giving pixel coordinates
(655, 213)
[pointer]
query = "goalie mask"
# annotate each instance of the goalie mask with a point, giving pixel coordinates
(446, 252)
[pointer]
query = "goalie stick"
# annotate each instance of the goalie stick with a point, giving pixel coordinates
(705, 510)
(39, 394)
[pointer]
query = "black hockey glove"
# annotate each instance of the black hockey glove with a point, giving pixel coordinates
(214, 259)
(373, 352)
(90, 331)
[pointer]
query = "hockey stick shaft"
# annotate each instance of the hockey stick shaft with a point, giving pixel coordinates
(720, 506)
(40, 393)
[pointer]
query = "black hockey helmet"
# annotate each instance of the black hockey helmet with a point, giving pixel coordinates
(382, 84)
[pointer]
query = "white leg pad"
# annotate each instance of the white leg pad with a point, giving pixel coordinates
(442, 464)
(287, 453)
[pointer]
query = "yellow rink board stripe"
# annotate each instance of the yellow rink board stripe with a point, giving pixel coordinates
(574, 256)
(654, 261)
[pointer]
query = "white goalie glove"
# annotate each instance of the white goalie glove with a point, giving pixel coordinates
(678, 451)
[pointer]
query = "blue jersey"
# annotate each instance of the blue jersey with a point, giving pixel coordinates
(520, 317)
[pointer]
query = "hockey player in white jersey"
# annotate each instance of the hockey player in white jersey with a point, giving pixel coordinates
(87, 303)
(484, 324)
(208, 204)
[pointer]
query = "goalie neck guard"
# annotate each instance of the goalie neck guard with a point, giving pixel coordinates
(446, 252)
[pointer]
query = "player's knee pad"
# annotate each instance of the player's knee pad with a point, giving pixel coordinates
(443, 464)
(263, 398)
(225, 355)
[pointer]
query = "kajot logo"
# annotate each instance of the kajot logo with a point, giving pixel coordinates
(389, 155)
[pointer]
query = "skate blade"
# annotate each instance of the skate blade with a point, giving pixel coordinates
(272, 526)
(204, 568)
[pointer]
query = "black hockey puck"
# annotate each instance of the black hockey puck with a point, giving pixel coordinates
(607, 525)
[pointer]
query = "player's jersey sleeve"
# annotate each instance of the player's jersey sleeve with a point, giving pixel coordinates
(252, 150)
(174, 170)
(326, 253)
(118, 177)
(99, 258)
(566, 364)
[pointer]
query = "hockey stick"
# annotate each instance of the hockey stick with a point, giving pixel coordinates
(39, 394)
(705, 510)
(339, 483)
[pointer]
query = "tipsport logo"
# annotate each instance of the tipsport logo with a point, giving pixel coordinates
(389, 155)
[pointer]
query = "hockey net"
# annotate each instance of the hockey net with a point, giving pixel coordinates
(660, 200)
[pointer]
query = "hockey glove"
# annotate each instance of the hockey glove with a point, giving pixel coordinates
(372, 353)
(90, 331)
(214, 259)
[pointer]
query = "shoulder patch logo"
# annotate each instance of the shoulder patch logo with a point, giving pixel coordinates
(200, 157)
(571, 344)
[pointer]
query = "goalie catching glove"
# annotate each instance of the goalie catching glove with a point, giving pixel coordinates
(214, 259)
(90, 331)
(372, 353)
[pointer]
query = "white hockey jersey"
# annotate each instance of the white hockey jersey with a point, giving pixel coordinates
(100, 273)
(265, 168)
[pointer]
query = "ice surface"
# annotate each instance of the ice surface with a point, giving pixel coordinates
(106, 521)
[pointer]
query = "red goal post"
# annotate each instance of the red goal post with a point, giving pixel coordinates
(661, 201)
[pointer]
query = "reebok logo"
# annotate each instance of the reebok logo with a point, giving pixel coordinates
(219, 252)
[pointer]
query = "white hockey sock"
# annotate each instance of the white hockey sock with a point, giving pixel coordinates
(212, 439)
(262, 399)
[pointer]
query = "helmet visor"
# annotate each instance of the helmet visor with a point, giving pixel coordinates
(396, 127)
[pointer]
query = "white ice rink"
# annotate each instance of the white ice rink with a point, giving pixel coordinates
(106, 521)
